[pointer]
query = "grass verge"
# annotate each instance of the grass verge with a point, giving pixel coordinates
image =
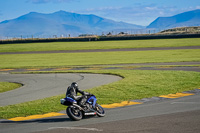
(6, 86)
(97, 58)
(136, 84)
(54, 46)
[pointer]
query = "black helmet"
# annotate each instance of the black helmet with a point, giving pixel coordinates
(74, 84)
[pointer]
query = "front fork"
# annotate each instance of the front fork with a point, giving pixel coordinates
(94, 103)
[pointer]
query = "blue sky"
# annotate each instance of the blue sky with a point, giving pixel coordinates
(141, 12)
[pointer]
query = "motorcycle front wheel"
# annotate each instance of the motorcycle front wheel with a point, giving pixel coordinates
(74, 113)
(100, 110)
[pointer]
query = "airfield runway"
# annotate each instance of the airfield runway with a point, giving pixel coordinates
(180, 115)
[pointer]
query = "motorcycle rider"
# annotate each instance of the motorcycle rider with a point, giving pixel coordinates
(72, 92)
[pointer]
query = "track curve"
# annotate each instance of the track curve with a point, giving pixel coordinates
(39, 86)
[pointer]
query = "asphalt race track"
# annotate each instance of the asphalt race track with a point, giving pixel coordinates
(39, 86)
(179, 115)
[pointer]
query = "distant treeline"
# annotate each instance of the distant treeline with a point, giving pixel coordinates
(101, 38)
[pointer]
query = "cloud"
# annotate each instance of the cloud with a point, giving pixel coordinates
(1, 14)
(141, 14)
(49, 1)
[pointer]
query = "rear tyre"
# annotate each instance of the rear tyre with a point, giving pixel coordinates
(100, 110)
(74, 113)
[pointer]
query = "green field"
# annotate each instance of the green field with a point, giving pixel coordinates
(136, 84)
(6, 86)
(98, 58)
(54, 46)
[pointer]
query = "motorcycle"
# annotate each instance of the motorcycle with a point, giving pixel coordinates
(77, 112)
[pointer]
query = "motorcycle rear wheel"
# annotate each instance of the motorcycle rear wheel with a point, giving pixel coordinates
(74, 113)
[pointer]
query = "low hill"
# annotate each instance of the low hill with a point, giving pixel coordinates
(182, 30)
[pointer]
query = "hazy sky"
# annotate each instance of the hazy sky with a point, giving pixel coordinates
(141, 12)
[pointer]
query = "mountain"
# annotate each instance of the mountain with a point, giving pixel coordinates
(60, 23)
(191, 18)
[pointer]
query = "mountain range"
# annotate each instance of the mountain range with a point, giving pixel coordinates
(60, 23)
(66, 23)
(186, 19)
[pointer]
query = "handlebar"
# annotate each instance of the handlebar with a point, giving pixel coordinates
(87, 94)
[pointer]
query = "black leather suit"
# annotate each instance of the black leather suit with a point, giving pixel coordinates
(72, 92)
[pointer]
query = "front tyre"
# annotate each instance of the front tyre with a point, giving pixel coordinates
(100, 110)
(74, 113)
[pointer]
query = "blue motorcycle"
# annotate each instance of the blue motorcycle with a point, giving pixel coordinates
(76, 112)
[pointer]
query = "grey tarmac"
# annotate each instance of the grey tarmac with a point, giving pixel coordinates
(104, 50)
(179, 115)
(39, 86)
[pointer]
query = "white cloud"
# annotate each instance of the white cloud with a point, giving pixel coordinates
(48, 1)
(137, 14)
(197, 7)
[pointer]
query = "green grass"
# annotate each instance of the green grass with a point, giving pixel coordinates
(136, 84)
(6, 86)
(97, 58)
(99, 45)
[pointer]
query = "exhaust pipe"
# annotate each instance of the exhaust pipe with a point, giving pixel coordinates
(91, 113)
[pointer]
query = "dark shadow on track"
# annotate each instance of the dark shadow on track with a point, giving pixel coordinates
(49, 120)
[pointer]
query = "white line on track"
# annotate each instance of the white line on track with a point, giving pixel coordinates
(77, 128)
(184, 102)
